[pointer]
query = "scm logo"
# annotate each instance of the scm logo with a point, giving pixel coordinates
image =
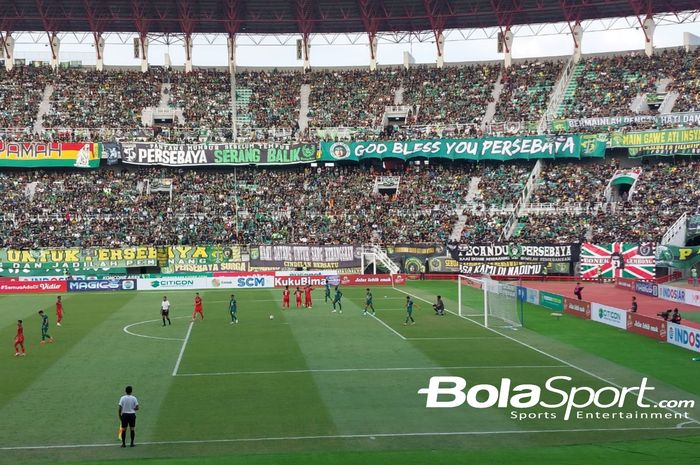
(448, 392)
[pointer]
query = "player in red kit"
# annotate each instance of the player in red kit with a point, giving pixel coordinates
(59, 311)
(285, 297)
(19, 340)
(197, 307)
(307, 296)
(297, 295)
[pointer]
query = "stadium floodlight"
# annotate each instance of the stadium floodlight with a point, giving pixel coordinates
(496, 301)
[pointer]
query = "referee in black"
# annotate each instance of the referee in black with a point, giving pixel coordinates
(128, 405)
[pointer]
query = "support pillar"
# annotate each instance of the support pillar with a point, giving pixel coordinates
(507, 48)
(9, 45)
(55, 45)
(648, 26)
(440, 42)
(100, 52)
(373, 52)
(231, 42)
(188, 53)
(143, 43)
(577, 34)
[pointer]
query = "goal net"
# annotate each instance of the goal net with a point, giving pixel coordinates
(496, 302)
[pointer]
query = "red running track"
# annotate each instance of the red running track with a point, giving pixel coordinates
(608, 294)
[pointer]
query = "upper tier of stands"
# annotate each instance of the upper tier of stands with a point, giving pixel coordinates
(476, 94)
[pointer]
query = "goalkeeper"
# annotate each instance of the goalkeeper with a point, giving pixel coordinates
(439, 306)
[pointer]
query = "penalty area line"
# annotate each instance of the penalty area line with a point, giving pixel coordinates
(344, 436)
(182, 349)
(388, 327)
(355, 370)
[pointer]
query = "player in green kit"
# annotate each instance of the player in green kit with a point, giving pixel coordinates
(336, 300)
(233, 309)
(409, 311)
(328, 290)
(368, 302)
(44, 328)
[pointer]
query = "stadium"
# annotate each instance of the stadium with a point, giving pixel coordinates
(349, 232)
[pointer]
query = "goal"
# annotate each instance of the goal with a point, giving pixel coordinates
(496, 302)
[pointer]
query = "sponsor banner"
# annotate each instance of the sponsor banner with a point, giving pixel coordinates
(235, 274)
(492, 148)
(529, 295)
(646, 139)
(301, 281)
(625, 283)
(646, 288)
(552, 301)
(49, 154)
(672, 256)
(242, 282)
(412, 257)
(646, 326)
(305, 257)
(27, 287)
(683, 336)
(515, 260)
(619, 121)
(173, 283)
(609, 315)
(254, 153)
(674, 294)
(618, 260)
(579, 308)
(341, 280)
(94, 285)
(203, 259)
(48, 261)
(444, 265)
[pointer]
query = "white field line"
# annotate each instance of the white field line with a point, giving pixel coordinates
(340, 436)
(388, 327)
(355, 370)
(547, 354)
(466, 338)
(126, 330)
(182, 349)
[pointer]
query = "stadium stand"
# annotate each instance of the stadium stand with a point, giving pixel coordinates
(526, 89)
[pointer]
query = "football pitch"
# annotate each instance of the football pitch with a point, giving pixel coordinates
(312, 386)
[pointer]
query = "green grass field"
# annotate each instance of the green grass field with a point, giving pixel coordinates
(311, 386)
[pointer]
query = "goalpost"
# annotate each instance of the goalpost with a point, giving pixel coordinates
(497, 302)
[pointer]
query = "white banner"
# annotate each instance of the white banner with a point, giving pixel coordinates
(683, 336)
(609, 315)
(680, 295)
(172, 283)
(241, 282)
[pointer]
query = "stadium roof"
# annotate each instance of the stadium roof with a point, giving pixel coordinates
(310, 16)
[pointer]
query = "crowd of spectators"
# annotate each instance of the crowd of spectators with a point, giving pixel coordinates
(526, 89)
(687, 82)
(556, 227)
(21, 91)
(351, 98)
(275, 97)
(204, 95)
(501, 185)
(450, 95)
(484, 227)
(573, 182)
(93, 99)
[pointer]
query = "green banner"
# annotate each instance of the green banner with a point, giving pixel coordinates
(498, 148)
(51, 154)
(552, 301)
(677, 257)
(691, 118)
(655, 138)
(72, 260)
(202, 259)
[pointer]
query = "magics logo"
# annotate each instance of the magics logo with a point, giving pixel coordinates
(451, 392)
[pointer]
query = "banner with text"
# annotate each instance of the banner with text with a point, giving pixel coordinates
(203, 259)
(618, 260)
(515, 260)
(70, 260)
(692, 117)
(412, 257)
(255, 153)
(51, 154)
(666, 142)
(341, 258)
(677, 257)
(683, 336)
(501, 148)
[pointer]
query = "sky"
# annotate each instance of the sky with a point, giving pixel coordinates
(269, 53)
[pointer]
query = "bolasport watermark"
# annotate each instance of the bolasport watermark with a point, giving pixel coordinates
(559, 398)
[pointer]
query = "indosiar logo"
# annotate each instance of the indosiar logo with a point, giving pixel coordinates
(451, 392)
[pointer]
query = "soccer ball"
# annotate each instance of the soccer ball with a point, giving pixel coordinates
(272, 317)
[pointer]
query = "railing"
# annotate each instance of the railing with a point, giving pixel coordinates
(522, 201)
(569, 207)
(679, 225)
(557, 96)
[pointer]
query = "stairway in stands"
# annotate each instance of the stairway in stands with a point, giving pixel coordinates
(243, 116)
(570, 89)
